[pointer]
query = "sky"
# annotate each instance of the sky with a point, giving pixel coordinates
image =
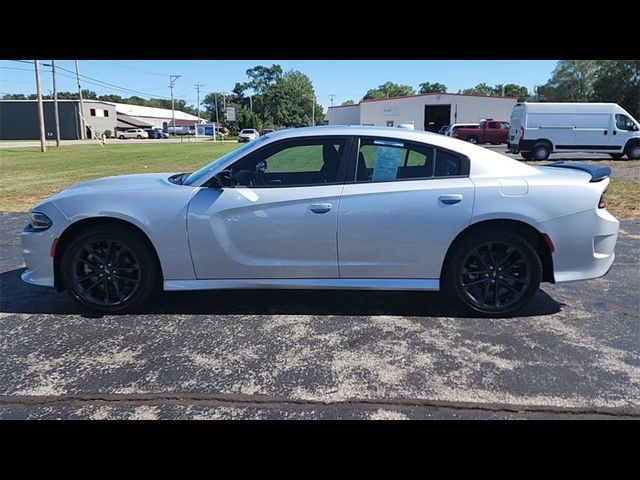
(344, 79)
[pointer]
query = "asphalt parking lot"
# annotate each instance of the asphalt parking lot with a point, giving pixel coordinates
(321, 354)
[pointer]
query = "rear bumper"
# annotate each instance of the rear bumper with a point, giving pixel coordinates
(584, 244)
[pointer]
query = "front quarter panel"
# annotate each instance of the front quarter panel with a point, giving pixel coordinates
(160, 212)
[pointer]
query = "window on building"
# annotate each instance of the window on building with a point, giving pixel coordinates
(106, 113)
(93, 112)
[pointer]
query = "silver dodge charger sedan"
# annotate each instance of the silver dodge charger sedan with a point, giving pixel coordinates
(329, 207)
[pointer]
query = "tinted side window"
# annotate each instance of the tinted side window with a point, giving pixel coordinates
(448, 164)
(386, 160)
(303, 162)
(494, 125)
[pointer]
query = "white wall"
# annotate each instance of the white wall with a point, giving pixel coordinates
(411, 109)
(344, 115)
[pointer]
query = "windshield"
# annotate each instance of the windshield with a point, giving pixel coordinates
(247, 131)
(238, 152)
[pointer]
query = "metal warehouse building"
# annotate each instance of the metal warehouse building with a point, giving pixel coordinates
(427, 112)
(19, 119)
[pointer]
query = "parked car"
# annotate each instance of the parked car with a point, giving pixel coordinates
(154, 133)
(490, 131)
(371, 208)
(133, 133)
(455, 126)
(540, 129)
(247, 135)
(264, 131)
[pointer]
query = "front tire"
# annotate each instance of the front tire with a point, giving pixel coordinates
(526, 155)
(121, 137)
(473, 140)
(110, 269)
(493, 274)
(633, 152)
(139, 137)
(616, 156)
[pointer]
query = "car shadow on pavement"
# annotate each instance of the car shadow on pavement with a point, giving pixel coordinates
(19, 297)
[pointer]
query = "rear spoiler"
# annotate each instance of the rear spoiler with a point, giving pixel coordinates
(597, 173)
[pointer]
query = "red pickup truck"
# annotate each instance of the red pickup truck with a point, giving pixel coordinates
(490, 131)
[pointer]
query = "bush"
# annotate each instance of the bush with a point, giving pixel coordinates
(108, 133)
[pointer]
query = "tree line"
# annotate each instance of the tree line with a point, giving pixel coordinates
(91, 95)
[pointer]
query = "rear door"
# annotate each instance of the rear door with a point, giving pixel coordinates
(403, 206)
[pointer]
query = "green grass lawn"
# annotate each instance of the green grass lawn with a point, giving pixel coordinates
(27, 175)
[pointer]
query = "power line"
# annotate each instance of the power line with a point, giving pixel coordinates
(16, 68)
(124, 89)
(136, 69)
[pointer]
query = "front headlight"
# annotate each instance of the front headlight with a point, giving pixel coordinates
(39, 221)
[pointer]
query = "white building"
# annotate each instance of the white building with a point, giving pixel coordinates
(137, 115)
(429, 111)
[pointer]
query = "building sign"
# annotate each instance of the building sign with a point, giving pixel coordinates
(390, 111)
(205, 130)
(231, 114)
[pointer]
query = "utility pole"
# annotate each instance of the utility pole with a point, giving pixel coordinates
(224, 101)
(43, 145)
(83, 133)
(215, 101)
(331, 97)
(172, 79)
(198, 85)
(55, 102)
(313, 111)
(251, 103)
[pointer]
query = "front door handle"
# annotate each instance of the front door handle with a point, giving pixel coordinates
(606, 132)
(615, 133)
(320, 207)
(450, 199)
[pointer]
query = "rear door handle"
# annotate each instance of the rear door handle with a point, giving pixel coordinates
(450, 199)
(606, 132)
(320, 207)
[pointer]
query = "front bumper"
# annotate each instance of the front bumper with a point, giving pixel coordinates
(36, 247)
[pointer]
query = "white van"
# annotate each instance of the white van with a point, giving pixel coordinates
(540, 129)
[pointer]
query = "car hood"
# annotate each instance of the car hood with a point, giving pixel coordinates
(117, 184)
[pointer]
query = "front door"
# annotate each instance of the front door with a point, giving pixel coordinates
(408, 203)
(278, 221)
(623, 130)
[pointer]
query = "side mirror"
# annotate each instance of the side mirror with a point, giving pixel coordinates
(224, 178)
(635, 128)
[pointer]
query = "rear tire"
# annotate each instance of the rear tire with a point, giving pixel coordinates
(121, 137)
(540, 152)
(139, 137)
(492, 274)
(616, 156)
(633, 151)
(526, 155)
(110, 269)
(473, 140)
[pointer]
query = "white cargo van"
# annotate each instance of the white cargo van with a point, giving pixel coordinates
(540, 129)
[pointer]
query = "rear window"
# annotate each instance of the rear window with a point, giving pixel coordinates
(247, 131)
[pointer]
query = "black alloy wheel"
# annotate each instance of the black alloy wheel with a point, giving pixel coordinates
(110, 270)
(105, 272)
(494, 274)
